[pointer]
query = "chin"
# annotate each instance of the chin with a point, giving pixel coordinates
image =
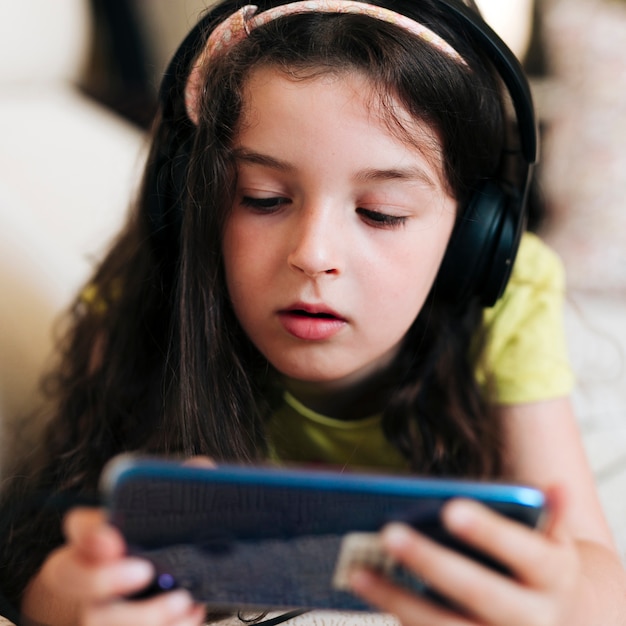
(329, 379)
(309, 373)
(331, 373)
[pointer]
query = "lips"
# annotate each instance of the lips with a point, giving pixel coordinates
(311, 322)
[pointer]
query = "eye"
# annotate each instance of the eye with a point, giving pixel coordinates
(264, 205)
(381, 220)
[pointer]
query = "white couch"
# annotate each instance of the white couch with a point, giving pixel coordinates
(67, 170)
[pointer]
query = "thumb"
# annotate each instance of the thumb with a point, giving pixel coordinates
(92, 536)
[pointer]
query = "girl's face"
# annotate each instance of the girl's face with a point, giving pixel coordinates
(338, 226)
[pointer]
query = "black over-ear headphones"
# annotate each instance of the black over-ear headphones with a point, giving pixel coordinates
(480, 256)
(484, 244)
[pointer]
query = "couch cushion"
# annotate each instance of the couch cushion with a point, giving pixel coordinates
(42, 40)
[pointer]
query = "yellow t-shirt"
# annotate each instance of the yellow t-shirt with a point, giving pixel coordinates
(525, 354)
(296, 433)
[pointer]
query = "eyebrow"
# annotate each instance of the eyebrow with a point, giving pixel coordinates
(409, 174)
(256, 158)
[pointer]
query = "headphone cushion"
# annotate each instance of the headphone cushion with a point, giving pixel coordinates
(480, 254)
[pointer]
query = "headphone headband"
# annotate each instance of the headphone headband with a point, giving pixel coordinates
(511, 72)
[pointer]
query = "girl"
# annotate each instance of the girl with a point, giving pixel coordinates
(323, 218)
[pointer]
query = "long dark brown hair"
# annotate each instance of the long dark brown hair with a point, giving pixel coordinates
(154, 358)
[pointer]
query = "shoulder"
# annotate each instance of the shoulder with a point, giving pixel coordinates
(537, 266)
(525, 352)
(537, 280)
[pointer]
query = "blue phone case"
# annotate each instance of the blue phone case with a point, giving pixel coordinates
(242, 537)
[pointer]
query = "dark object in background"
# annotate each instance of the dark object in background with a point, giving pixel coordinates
(117, 75)
(535, 60)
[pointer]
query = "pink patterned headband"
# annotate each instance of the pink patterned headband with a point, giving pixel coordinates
(241, 23)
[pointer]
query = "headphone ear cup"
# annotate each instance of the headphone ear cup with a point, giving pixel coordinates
(480, 255)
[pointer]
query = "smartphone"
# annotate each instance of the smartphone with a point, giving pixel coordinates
(249, 537)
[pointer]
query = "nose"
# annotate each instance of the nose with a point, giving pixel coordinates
(316, 243)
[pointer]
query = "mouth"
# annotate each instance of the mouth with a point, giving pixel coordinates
(311, 323)
(312, 311)
(311, 314)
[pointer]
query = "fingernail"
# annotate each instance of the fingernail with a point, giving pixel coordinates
(396, 536)
(459, 514)
(137, 571)
(178, 601)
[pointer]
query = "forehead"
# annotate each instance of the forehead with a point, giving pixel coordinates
(360, 99)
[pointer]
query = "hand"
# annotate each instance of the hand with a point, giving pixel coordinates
(541, 591)
(92, 573)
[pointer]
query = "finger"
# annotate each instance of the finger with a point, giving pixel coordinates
(174, 608)
(94, 539)
(476, 589)
(556, 497)
(407, 607)
(73, 577)
(201, 461)
(532, 557)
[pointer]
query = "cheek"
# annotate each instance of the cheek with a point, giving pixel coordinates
(403, 281)
(236, 253)
(247, 265)
(407, 275)
(238, 244)
(396, 302)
